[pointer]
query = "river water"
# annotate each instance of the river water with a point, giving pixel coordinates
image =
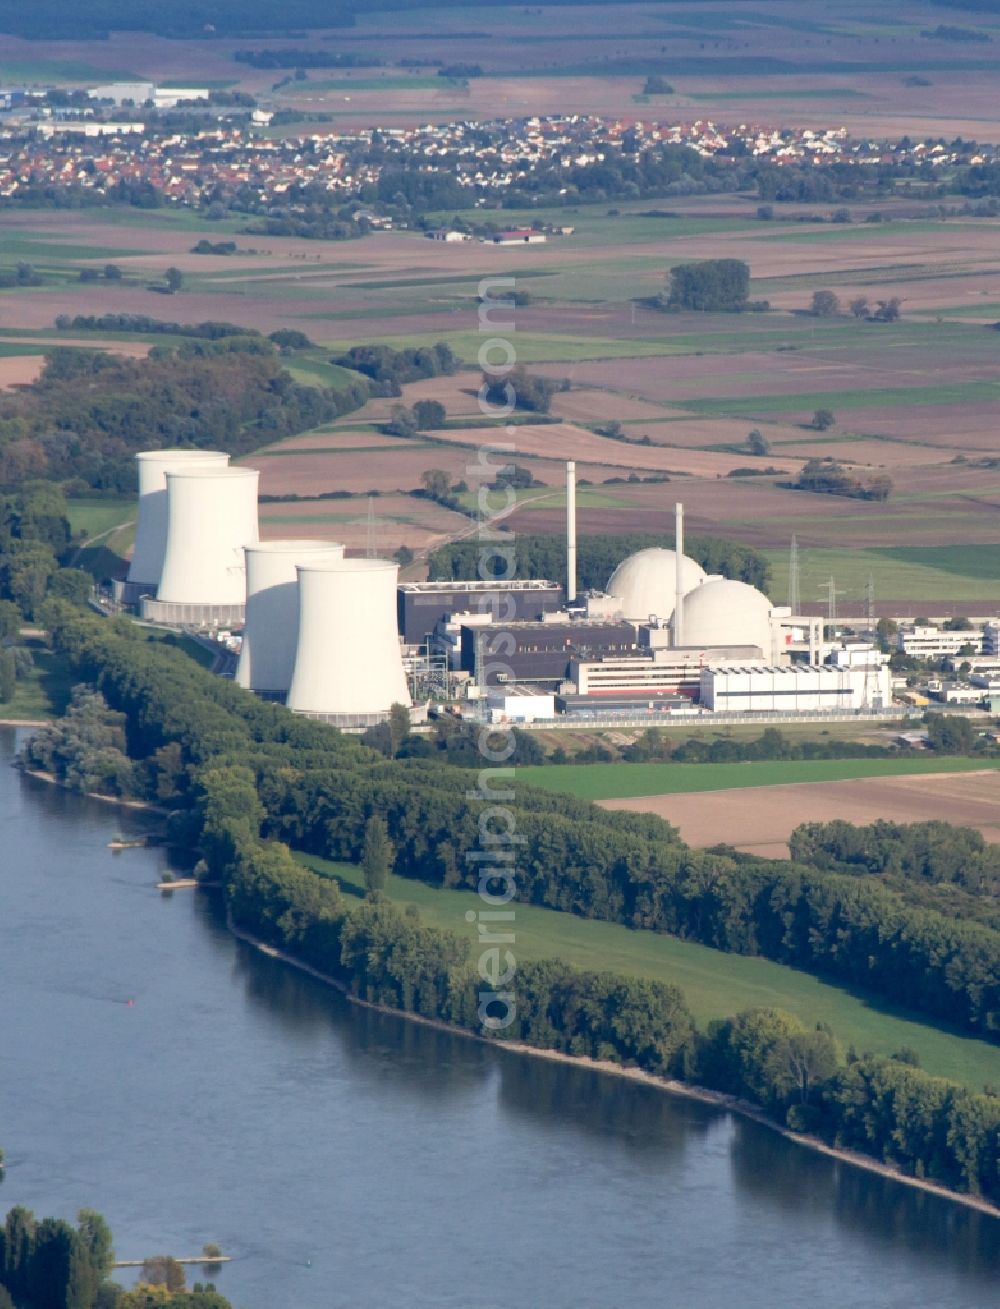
(349, 1159)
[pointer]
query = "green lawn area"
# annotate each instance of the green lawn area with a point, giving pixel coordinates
(44, 693)
(715, 984)
(99, 515)
(316, 371)
(620, 781)
(903, 573)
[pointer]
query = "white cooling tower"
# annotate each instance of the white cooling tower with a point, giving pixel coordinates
(211, 516)
(348, 665)
(151, 521)
(267, 658)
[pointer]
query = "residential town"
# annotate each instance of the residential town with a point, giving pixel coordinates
(50, 148)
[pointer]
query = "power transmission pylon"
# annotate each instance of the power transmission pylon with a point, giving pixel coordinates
(870, 601)
(830, 588)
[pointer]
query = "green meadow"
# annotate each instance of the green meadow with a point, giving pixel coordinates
(619, 781)
(912, 574)
(714, 984)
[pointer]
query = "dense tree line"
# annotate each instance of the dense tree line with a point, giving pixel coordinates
(248, 779)
(312, 58)
(720, 285)
(309, 222)
(828, 477)
(932, 864)
(655, 745)
(86, 748)
(34, 538)
(49, 1264)
(544, 555)
(207, 331)
(89, 412)
(390, 369)
(519, 389)
(575, 858)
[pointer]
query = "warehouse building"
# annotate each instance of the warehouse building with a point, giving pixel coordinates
(794, 688)
(667, 672)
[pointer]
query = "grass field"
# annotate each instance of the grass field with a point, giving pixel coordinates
(99, 515)
(715, 984)
(44, 693)
(907, 573)
(620, 781)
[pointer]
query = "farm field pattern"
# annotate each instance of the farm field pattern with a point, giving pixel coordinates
(916, 399)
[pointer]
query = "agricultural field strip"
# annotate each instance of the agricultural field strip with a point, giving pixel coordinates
(628, 781)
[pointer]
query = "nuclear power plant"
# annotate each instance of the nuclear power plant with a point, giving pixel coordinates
(340, 639)
(270, 635)
(662, 636)
(348, 661)
(211, 518)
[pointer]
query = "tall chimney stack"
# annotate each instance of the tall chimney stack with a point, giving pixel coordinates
(678, 574)
(570, 531)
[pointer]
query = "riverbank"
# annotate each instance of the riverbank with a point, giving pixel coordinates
(670, 1085)
(146, 805)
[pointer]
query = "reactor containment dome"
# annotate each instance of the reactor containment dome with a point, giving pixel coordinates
(348, 661)
(267, 657)
(723, 612)
(211, 517)
(151, 520)
(645, 583)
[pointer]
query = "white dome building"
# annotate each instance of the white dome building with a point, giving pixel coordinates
(646, 583)
(722, 612)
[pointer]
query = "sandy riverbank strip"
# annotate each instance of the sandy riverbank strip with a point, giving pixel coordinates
(146, 805)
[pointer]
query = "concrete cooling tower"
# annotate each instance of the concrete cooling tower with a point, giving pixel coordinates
(348, 664)
(267, 658)
(211, 516)
(151, 521)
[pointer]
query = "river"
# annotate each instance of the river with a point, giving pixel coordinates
(350, 1159)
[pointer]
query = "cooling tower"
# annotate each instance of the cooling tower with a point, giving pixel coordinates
(151, 521)
(211, 516)
(267, 658)
(348, 665)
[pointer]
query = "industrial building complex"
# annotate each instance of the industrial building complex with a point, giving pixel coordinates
(342, 639)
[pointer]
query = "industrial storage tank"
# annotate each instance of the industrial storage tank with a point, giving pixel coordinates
(348, 661)
(267, 658)
(645, 583)
(151, 520)
(211, 517)
(723, 612)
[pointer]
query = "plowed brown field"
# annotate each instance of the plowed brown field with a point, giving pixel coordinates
(761, 819)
